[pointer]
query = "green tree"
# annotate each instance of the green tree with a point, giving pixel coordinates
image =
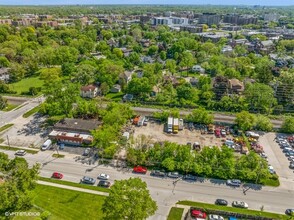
(152, 50)
(263, 70)
(263, 123)
(171, 66)
(50, 75)
(4, 62)
(187, 60)
(84, 74)
(139, 86)
(124, 195)
(18, 182)
(3, 102)
(245, 121)
(288, 125)
(200, 115)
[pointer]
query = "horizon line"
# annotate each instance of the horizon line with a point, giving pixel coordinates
(163, 4)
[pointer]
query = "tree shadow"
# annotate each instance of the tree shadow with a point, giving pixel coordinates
(253, 186)
(218, 182)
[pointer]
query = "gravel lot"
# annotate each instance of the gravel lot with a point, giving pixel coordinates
(156, 132)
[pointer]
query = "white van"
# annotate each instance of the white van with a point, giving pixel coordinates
(46, 145)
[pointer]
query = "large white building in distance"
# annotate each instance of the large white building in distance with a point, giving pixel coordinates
(170, 21)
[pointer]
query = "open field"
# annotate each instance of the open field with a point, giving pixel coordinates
(67, 204)
(25, 84)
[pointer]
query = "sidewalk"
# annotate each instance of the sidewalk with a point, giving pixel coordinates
(72, 188)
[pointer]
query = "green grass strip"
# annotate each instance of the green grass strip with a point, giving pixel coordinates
(31, 112)
(79, 185)
(3, 128)
(175, 213)
(16, 149)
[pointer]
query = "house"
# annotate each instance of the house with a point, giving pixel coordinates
(128, 97)
(194, 81)
(227, 49)
(89, 91)
(198, 68)
(75, 132)
(147, 59)
(115, 88)
(236, 86)
(170, 79)
(125, 76)
(155, 91)
(267, 46)
(4, 74)
(220, 86)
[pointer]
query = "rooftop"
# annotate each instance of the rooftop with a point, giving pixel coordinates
(77, 125)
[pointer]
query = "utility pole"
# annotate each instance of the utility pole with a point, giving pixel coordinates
(8, 140)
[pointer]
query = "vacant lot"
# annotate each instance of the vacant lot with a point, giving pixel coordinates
(68, 204)
(156, 132)
(25, 84)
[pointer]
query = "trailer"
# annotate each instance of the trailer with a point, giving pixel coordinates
(181, 124)
(176, 125)
(170, 125)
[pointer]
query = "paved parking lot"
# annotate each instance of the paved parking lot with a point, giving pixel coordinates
(278, 160)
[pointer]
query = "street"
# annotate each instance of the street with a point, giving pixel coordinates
(204, 190)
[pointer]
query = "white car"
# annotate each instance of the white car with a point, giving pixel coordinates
(240, 204)
(103, 176)
(20, 153)
(271, 170)
(215, 217)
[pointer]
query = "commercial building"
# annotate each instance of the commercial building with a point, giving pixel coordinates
(169, 21)
(237, 19)
(209, 19)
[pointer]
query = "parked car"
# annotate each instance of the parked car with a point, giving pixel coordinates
(287, 149)
(221, 202)
(291, 166)
(20, 153)
(290, 153)
(240, 204)
(57, 175)
(86, 152)
(103, 176)
(158, 173)
(289, 211)
(190, 177)
(217, 133)
(104, 183)
(223, 133)
(234, 182)
(174, 175)
(215, 217)
(198, 214)
(271, 169)
(88, 180)
(140, 169)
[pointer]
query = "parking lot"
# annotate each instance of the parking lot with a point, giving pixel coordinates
(156, 132)
(278, 160)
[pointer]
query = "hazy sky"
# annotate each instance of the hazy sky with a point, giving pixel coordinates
(214, 2)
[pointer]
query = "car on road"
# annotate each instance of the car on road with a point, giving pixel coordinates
(88, 180)
(221, 202)
(20, 153)
(198, 214)
(240, 204)
(190, 177)
(104, 183)
(215, 217)
(86, 152)
(103, 176)
(174, 175)
(289, 211)
(158, 173)
(234, 182)
(57, 175)
(140, 169)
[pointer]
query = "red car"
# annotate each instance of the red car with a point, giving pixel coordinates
(57, 175)
(140, 169)
(198, 214)
(217, 132)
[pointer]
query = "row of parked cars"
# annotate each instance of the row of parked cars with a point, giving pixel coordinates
(287, 145)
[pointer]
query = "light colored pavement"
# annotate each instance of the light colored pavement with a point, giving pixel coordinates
(162, 190)
(72, 188)
(278, 160)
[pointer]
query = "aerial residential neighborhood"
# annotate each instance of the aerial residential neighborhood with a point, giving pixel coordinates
(158, 111)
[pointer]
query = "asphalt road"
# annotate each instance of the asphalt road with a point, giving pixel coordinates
(163, 190)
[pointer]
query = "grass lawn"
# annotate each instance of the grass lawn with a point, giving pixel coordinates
(31, 112)
(115, 96)
(175, 213)
(9, 107)
(3, 128)
(58, 155)
(68, 204)
(63, 182)
(25, 84)
(16, 148)
(233, 209)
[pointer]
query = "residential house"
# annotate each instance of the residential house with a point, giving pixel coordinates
(89, 91)
(267, 46)
(194, 81)
(236, 86)
(128, 97)
(125, 76)
(155, 90)
(170, 79)
(198, 68)
(220, 86)
(147, 59)
(115, 88)
(4, 74)
(227, 49)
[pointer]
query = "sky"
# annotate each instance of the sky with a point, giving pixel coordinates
(194, 2)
